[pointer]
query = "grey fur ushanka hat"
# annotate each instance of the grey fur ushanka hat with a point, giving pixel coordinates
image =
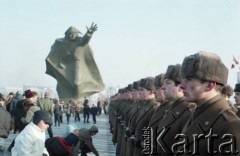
(205, 66)
(159, 80)
(136, 85)
(173, 73)
(149, 83)
(227, 90)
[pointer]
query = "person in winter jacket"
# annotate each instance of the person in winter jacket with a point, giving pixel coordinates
(31, 108)
(5, 124)
(31, 141)
(85, 144)
(62, 146)
(94, 111)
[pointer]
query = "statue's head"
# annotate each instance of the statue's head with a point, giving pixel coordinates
(72, 33)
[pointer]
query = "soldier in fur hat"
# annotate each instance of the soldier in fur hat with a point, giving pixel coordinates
(144, 115)
(204, 75)
(179, 112)
(227, 92)
(157, 117)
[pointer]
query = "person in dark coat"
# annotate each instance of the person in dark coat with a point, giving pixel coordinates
(47, 104)
(85, 143)
(179, 112)
(99, 106)
(77, 112)
(16, 98)
(105, 107)
(5, 124)
(9, 102)
(213, 123)
(59, 146)
(21, 110)
(158, 115)
(57, 109)
(86, 110)
(94, 111)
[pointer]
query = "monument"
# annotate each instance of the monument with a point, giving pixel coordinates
(72, 64)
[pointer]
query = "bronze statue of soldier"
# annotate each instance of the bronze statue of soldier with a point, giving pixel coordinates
(71, 63)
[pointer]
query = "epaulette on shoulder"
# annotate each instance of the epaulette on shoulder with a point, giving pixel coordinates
(229, 115)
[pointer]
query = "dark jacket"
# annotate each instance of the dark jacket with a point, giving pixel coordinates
(57, 109)
(17, 98)
(20, 112)
(86, 138)
(5, 123)
(58, 146)
(172, 124)
(155, 120)
(94, 110)
(214, 119)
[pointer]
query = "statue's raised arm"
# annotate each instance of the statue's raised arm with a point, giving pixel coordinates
(92, 29)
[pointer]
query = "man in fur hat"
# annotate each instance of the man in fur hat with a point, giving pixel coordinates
(213, 128)
(179, 112)
(227, 92)
(159, 114)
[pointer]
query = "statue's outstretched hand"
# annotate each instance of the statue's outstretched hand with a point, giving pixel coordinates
(92, 29)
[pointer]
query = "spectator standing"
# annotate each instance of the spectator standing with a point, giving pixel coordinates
(68, 112)
(86, 110)
(5, 124)
(94, 112)
(105, 107)
(31, 108)
(9, 102)
(20, 110)
(47, 104)
(61, 111)
(99, 106)
(17, 97)
(57, 110)
(23, 112)
(77, 112)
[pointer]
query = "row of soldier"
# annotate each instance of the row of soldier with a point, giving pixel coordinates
(181, 112)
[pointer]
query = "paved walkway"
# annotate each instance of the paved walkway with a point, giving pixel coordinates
(102, 141)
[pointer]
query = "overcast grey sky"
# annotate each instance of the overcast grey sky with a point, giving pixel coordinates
(135, 38)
